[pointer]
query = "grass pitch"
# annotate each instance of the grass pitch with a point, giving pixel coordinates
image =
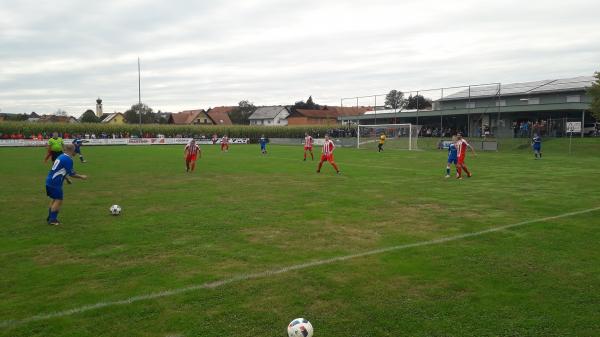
(242, 213)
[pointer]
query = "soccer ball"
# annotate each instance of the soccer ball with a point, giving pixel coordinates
(115, 209)
(300, 327)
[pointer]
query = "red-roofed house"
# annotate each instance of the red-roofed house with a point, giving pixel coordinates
(190, 117)
(220, 115)
(327, 115)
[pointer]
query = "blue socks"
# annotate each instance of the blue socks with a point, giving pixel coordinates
(447, 171)
(53, 216)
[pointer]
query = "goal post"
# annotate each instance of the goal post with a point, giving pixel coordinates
(397, 136)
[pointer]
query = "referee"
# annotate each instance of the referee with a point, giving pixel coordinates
(55, 146)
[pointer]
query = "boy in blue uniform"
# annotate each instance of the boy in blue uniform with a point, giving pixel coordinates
(63, 166)
(452, 156)
(263, 144)
(78, 142)
(537, 146)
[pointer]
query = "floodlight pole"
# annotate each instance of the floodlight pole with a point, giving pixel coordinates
(140, 97)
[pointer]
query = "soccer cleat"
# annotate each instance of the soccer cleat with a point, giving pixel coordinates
(54, 223)
(338, 172)
(318, 171)
(447, 176)
(469, 175)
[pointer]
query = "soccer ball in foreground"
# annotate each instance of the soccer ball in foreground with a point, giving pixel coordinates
(115, 209)
(300, 327)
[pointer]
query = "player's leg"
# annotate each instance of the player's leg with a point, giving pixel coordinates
(305, 149)
(464, 167)
(323, 158)
(448, 170)
(312, 157)
(332, 162)
(54, 211)
(193, 164)
(379, 147)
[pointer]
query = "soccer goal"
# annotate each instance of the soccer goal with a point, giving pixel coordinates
(397, 136)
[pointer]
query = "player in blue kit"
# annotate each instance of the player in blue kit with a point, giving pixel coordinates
(452, 156)
(62, 167)
(263, 144)
(537, 146)
(78, 142)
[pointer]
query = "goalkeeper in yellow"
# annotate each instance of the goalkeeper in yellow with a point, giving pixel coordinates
(381, 142)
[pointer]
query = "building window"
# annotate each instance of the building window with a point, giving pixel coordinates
(533, 101)
(501, 102)
(470, 105)
(573, 99)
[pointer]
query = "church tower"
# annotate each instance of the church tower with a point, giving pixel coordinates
(99, 107)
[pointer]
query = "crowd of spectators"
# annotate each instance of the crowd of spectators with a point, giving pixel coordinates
(433, 131)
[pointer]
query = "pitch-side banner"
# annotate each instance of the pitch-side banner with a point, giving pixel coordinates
(115, 141)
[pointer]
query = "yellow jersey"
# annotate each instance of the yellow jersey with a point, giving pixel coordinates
(56, 145)
(382, 139)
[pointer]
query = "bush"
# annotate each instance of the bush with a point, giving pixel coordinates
(236, 131)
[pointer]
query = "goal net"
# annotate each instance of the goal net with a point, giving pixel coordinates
(397, 136)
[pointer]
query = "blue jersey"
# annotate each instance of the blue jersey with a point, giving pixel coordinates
(62, 166)
(263, 141)
(452, 152)
(537, 142)
(77, 142)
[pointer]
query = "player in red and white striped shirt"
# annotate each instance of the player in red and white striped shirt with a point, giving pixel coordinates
(327, 154)
(225, 143)
(462, 145)
(308, 145)
(192, 152)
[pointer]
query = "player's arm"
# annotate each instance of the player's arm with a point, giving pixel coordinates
(76, 175)
(472, 149)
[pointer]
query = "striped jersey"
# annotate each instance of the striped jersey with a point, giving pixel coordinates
(328, 147)
(225, 140)
(308, 141)
(192, 149)
(461, 147)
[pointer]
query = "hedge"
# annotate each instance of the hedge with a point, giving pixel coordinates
(243, 131)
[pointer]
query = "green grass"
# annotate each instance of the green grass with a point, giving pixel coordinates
(242, 213)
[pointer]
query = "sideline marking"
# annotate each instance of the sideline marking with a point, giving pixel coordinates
(274, 272)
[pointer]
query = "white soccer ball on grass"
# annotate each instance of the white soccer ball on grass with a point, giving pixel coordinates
(300, 327)
(115, 210)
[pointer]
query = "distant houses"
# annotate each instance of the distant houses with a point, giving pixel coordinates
(220, 115)
(113, 118)
(190, 117)
(270, 116)
(276, 115)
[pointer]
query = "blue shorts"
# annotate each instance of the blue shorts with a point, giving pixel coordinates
(537, 148)
(77, 150)
(453, 160)
(263, 146)
(55, 193)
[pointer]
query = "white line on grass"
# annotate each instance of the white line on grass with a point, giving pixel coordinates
(274, 272)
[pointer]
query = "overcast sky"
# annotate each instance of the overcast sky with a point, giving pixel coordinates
(199, 54)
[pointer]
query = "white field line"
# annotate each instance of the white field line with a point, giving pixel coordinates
(275, 272)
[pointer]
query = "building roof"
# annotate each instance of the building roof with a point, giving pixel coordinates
(267, 112)
(348, 110)
(220, 115)
(109, 117)
(317, 113)
(524, 88)
(186, 117)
